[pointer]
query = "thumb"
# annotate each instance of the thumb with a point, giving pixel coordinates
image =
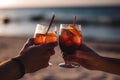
(28, 43)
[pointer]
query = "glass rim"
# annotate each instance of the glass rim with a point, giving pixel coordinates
(70, 24)
(46, 24)
(41, 29)
(79, 27)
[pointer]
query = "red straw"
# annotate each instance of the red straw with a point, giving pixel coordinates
(50, 23)
(74, 20)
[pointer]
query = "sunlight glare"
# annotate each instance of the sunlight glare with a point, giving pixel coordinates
(7, 2)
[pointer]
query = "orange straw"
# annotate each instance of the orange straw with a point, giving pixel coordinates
(52, 19)
(74, 20)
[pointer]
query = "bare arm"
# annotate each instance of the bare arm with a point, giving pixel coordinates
(110, 65)
(91, 60)
(33, 57)
(9, 70)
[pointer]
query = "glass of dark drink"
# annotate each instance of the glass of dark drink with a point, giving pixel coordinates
(41, 37)
(70, 39)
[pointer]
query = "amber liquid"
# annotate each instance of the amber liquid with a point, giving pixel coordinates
(44, 38)
(70, 40)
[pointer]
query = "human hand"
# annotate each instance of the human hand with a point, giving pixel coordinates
(86, 57)
(35, 57)
(91, 60)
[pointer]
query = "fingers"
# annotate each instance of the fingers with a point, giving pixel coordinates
(50, 52)
(49, 46)
(47, 49)
(83, 47)
(52, 44)
(29, 42)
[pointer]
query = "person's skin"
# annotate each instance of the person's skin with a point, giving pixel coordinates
(34, 57)
(89, 59)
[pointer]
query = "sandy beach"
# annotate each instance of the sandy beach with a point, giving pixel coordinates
(10, 47)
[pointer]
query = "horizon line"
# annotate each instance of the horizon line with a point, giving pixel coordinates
(83, 6)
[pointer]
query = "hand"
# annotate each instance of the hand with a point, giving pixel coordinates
(91, 60)
(86, 57)
(35, 57)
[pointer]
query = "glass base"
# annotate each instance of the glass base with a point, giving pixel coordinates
(65, 65)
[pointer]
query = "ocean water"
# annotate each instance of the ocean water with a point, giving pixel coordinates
(96, 21)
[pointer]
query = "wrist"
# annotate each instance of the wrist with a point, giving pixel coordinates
(21, 58)
(26, 63)
(102, 62)
(20, 65)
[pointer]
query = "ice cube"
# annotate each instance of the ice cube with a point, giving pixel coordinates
(73, 30)
(77, 40)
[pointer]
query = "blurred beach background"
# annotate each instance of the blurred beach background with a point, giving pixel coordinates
(100, 22)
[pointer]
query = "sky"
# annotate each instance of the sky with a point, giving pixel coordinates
(55, 3)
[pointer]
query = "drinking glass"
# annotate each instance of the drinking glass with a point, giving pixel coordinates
(70, 39)
(40, 34)
(41, 37)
